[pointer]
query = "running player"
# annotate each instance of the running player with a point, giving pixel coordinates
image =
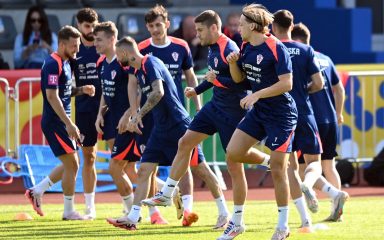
(170, 123)
(114, 102)
(306, 79)
(86, 106)
(58, 128)
(265, 63)
(176, 56)
(221, 114)
(328, 109)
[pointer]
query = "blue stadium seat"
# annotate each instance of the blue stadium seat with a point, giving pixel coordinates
(54, 23)
(104, 3)
(133, 25)
(7, 32)
(58, 4)
(36, 162)
(175, 19)
(148, 3)
(16, 4)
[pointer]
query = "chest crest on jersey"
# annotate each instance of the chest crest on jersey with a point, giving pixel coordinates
(216, 61)
(175, 56)
(113, 74)
(143, 79)
(259, 58)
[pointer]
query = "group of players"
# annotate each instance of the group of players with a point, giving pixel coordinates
(132, 95)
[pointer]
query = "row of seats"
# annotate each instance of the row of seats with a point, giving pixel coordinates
(17, 4)
(127, 23)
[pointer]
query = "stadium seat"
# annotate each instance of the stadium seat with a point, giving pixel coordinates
(175, 20)
(36, 162)
(7, 32)
(58, 4)
(16, 4)
(54, 23)
(74, 20)
(105, 3)
(148, 3)
(133, 25)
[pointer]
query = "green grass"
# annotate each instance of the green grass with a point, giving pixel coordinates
(363, 219)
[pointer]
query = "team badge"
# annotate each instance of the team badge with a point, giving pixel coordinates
(216, 61)
(143, 79)
(259, 58)
(113, 74)
(175, 56)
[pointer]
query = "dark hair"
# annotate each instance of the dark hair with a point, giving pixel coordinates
(300, 31)
(208, 18)
(155, 12)
(68, 32)
(283, 18)
(87, 15)
(45, 31)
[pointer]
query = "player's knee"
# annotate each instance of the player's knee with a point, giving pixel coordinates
(185, 145)
(144, 172)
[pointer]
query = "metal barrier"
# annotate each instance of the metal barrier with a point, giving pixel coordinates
(20, 81)
(362, 134)
(6, 126)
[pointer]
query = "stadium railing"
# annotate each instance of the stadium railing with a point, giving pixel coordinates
(6, 125)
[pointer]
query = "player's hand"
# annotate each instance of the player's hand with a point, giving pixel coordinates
(233, 57)
(72, 130)
(340, 119)
(249, 101)
(134, 123)
(99, 123)
(89, 90)
(210, 76)
(190, 92)
(123, 122)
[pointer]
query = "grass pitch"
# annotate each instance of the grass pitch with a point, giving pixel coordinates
(363, 219)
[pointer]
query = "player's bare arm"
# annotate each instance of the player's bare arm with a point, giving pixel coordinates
(100, 116)
(339, 94)
(56, 104)
(236, 73)
(316, 84)
(192, 82)
(153, 99)
(283, 85)
(86, 89)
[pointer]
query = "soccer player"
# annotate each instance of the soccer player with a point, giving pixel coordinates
(307, 79)
(113, 104)
(58, 128)
(265, 63)
(176, 56)
(328, 109)
(170, 123)
(87, 107)
(221, 114)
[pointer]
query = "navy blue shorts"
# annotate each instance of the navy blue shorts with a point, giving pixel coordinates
(279, 133)
(85, 121)
(109, 129)
(142, 140)
(125, 148)
(210, 120)
(162, 146)
(328, 135)
(57, 137)
(307, 138)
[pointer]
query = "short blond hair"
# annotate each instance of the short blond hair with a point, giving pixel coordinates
(258, 14)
